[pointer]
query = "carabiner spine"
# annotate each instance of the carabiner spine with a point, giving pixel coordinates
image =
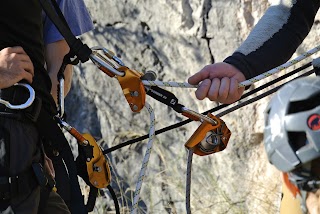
(105, 65)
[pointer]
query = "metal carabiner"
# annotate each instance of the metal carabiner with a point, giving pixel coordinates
(108, 65)
(24, 105)
(109, 54)
(197, 116)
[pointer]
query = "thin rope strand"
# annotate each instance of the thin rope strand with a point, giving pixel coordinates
(188, 181)
(279, 68)
(145, 160)
(168, 84)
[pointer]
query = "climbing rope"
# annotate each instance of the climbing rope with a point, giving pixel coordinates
(188, 181)
(145, 160)
(168, 84)
(280, 68)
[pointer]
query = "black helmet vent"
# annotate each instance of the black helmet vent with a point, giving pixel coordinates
(304, 105)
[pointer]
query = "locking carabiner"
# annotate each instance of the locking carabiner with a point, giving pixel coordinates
(109, 64)
(24, 105)
(209, 137)
(193, 115)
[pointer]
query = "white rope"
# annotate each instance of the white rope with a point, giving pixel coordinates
(241, 84)
(168, 84)
(279, 68)
(145, 160)
(188, 181)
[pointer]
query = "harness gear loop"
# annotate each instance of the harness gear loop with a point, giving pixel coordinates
(209, 137)
(24, 105)
(132, 88)
(98, 167)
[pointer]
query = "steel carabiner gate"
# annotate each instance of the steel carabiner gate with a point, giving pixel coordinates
(24, 105)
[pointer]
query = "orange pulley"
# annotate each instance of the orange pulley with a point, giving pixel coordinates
(209, 137)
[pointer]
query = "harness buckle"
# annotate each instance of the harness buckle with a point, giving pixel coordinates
(24, 105)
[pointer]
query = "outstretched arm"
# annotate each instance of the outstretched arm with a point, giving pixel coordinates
(271, 43)
(276, 37)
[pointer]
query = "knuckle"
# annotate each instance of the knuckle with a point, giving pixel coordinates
(206, 67)
(212, 98)
(205, 83)
(6, 50)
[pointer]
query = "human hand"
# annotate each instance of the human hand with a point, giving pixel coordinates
(313, 202)
(15, 65)
(218, 82)
(48, 166)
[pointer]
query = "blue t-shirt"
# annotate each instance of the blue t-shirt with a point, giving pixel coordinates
(77, 16)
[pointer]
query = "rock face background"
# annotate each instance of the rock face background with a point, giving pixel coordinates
(175, 39)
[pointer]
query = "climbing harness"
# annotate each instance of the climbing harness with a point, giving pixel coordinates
(28, 102)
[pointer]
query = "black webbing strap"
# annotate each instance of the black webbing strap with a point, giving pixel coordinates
(82, 51)
(92, 198)
(48, 127)
(17, 186)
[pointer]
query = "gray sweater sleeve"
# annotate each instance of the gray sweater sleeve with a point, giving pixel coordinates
(275, 37)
